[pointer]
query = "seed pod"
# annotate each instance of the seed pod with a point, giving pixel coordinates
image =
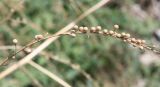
(72, 31)
(114, 34)
(13, 57)
(128, 35)
(123, 34)
(154, 46)
(129, 40)
(39, 37)
(15, 41)
(98, 28)
(139, 41)
(81, 29)
(141, 47)
(100, 32)
(28, 50)
(118, 35)
(93, 30)
(124, 40)
(133, 40)
(73, 34)
(105, 31)
(116, 26)
(143, 41)
(149, 48)
(75, 27)
(111, 32)
(85, 29)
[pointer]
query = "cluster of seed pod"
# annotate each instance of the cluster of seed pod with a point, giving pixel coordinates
(126, 37)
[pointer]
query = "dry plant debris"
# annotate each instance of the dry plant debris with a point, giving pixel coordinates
(126, 37)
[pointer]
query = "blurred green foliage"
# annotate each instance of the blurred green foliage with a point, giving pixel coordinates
(107, 60)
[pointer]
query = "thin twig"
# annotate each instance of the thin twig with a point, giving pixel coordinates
(31, 43)
(35, 81)
(9, 47)
(73, 66)
(49, 41)
(68, 63)
(49, 74)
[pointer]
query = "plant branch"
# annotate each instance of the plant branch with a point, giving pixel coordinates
(50, 40)
(49, 74)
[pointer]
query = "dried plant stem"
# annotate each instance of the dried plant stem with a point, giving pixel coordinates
(50, 40)
(9, 47)
(68, 63)
(73, 66)
(4, 61)
(76, 67)
(35, 81)
(26, 46)
(49, 74)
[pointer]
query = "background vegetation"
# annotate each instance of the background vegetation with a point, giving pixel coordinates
(110, 62)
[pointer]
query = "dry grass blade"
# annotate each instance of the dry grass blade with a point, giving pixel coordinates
(29, 75)
(49, 74)
(49, 41)
(73, 66)
(9, 47)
